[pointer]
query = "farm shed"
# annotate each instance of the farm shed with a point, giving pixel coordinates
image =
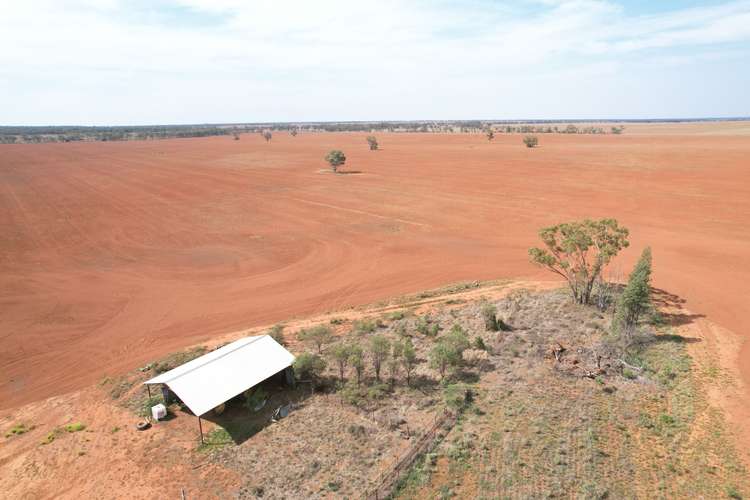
(216, 377)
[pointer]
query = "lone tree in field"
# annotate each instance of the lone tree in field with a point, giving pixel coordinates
(317, 335)
(373, 142)
(490, 134)
(266, 135)
(531, 141)
(636, 297)
(335, 158)
(293, 133)
(579, 251)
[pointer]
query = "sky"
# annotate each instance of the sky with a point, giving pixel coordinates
(137, 62)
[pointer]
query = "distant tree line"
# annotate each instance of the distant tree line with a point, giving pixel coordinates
(18, 134)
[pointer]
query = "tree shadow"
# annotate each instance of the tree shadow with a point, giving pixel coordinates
(666, 300)
(348, 172)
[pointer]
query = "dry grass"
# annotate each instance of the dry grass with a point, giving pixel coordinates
(541, 430)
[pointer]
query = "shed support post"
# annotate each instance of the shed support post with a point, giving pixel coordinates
(148, 388)
(200, 428)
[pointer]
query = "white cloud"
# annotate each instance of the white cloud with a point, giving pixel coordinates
(114, 61)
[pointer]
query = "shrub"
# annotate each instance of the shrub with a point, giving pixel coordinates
(309, 365)
(75, 427)
(457, 339)
(351, 393)
(377, 391)
(335, 158)
(364, 326)
(255, 397)
(457, 396)
(479, 344)
(266, 135)
(489, 314)
(373, 142)
(427, 327)
(277, 333)
(396, 315)
(733, 492)
(19, 429)
(531, 141)
(476, 357)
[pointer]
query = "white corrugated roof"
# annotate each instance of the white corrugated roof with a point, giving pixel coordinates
(206, 382)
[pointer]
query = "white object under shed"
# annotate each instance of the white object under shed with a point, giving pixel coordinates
(216, 377)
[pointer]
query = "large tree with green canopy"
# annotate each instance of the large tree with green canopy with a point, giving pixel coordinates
(579, 251)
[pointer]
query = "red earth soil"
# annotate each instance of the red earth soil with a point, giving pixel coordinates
(113, 254)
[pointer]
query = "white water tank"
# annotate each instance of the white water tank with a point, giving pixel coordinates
(159, 411)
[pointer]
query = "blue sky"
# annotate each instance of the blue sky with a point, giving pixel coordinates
(109, 62)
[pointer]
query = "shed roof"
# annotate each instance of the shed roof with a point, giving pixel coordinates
(216, 377)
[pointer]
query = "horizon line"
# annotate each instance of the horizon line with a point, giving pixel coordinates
(445, 121)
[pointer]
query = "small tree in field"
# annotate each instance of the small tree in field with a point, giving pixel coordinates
(293, 133)
(335, 158)
(408, 358)
(317, 335)
(380, 347)
(579, 251)
(341, 353)
(357, 360)
(490, 134)
(636, 297)
(373, 142)
(531, 141)
(267, 135)
(442, 356)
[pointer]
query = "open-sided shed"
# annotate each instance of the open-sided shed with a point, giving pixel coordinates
(216, 377)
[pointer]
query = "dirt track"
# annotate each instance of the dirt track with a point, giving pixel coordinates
(112, 254)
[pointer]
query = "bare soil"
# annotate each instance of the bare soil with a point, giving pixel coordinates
(113, 254)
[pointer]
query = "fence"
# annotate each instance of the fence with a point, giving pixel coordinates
(388, 479)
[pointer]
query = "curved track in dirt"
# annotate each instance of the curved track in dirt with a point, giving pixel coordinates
(112, 254)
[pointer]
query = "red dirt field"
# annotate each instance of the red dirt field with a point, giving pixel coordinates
(112, 254)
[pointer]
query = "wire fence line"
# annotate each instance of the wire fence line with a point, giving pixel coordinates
(385, 483)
